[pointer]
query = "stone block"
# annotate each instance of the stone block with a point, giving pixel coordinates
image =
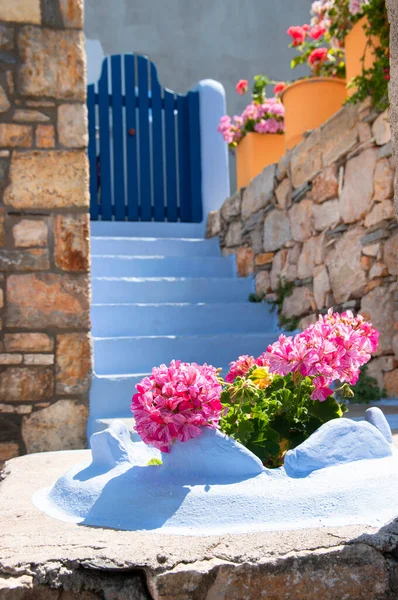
(307, 259)
(264, 258)
(244, 261)
(2, 230)
(279, 268)
(283, 194)
(47, 72)
(29, 232)
(380, 212)
(61, 300)
(364, 132)
(73, 363)
(6, 38)
(391, 383)
(259, 192)
(24, 115)
(321, 286)
(36, 259)
(326, 185)
(72, 13)
(8, 450)
(38, 359)
(300, 217)
(4, 102)
(374, 370)
(214, 225)
(234, 234)
(306, 160)
(72, 125)
(339, 134)
(263, 283)
(371, 250)
(381, 129)
(26, 384)
(282, 169)
(299, 303)
(383, 180)
(378, 307)
(390, 255)
(15, 136)
(45, 136)
(231, 207)
(20, 11)
(347, 277)
(72, 242)
(28, 342)
(326, 215)
(61, 426)
(357, 193)
(22, 409)
(276, 230)
(10, 359)
(48, 179)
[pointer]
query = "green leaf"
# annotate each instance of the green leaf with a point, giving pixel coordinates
(325, 411)
(245, 430)
(154, 462)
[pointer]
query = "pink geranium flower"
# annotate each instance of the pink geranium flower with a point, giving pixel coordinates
(278, 89)
(317, 31)
(175, 403)
(298, 34)
(242, 86)
(317, 57)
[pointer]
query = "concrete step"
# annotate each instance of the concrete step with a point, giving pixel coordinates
(120, 355)
(170, 289)
(161, 266)
(112, 320)
(155, 246)
(136, 229)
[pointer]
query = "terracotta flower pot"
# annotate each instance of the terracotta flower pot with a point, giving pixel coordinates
(309, 103)
(255, 152)
(359, 54)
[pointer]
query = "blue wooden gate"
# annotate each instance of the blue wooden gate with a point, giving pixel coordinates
(144, 146)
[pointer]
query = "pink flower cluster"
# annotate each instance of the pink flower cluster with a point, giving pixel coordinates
(240, 367)
(267, 117)
(175, 402)
(356, 6)
(334, 348)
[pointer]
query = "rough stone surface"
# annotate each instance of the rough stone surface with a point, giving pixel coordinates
(4, 102)
(213, 224)
(321, 286)
(346, 277)
(391, 383)
(283, 193)
(276, 230)
(234, 234)
(60, 301)
(231, 207)
(381, 129)
(326, 215)
(339, 135)
(29, 232)
(390, 254)
(72, 13)
(300, 220)
(36, 259)
(378, 307)
(48, 179)
(325, 185)
(383, 180)
(61, 426)
(73, 365)
(306, 160)
(300, 302)
(45, 136)
(6, 38)
(15, 136)
(357, 193)
(28, 342)
(380, 212)
(20, 11)
(259, 192)
(45, 71)
(244, 261)
(72, 125)
(26, 384)
(72, 242)
(263, 283)
(24, 115)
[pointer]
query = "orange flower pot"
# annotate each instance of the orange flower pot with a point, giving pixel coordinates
(255, 152)
(359, 54)
(309, 103)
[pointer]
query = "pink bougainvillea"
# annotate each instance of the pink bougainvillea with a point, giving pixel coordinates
(175, 403)
(334, 348)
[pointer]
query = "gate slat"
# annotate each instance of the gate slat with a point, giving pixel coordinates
(157, 147)
(105, 154)
(171, 166)
(183, 158)
(131, 145)
(145, 172)
(92, 153)
(117, 138)
(195, 158)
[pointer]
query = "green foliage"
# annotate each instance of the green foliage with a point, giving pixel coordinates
(255, 298)
(259, 88)
(283, 291)
(270, 418)
(366, 389)
(154, 462)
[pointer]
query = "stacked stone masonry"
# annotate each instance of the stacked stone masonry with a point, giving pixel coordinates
(45, 349)
(324, 219)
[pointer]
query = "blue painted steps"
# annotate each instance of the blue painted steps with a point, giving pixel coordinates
(160, 291)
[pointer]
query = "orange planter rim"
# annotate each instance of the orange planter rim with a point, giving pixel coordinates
(309, 80)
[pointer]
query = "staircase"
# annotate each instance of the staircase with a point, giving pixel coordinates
(156, 297)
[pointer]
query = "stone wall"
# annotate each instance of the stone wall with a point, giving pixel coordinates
(45, 352)
(324, 219)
